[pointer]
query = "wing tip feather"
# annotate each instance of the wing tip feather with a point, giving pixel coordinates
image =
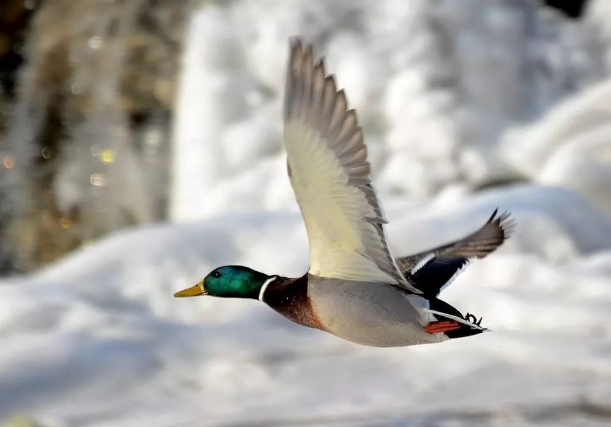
(504, 222)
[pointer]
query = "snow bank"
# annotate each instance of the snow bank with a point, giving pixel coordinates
(436, 85)
(98, 340)
(570, 147)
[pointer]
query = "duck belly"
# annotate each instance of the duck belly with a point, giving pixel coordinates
(373, 314)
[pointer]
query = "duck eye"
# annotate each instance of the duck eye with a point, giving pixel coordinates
(216, 274)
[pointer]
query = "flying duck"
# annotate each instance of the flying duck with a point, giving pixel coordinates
(355, 289)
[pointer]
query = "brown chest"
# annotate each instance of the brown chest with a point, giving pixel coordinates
(289, 297)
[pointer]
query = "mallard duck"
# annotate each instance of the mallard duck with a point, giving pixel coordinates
(354, 288)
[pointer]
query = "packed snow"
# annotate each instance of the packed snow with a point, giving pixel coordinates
(456, 128)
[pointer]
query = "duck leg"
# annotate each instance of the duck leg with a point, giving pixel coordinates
(450, 324)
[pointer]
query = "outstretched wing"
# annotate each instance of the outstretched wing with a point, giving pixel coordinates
(329, 172)
(431, 270)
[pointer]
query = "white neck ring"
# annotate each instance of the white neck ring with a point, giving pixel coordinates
(264, 287)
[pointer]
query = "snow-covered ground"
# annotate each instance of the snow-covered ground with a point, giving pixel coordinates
(452, 103)
(98, 339)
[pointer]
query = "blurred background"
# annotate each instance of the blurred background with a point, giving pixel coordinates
(140, 146)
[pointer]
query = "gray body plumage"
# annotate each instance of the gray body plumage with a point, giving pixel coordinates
(373, 314)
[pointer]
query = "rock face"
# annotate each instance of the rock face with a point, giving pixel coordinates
(85, 134)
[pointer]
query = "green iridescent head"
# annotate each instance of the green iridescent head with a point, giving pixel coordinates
(230, 281)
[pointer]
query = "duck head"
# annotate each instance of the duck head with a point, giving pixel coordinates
(230, 281)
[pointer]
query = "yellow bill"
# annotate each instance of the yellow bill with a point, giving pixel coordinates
(193, 291)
